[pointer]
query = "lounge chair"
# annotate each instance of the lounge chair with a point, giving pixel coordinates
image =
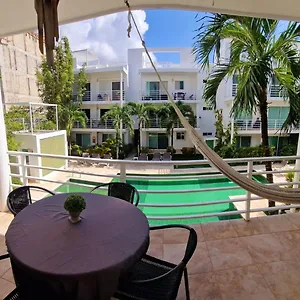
(156, 156)
(167, 156)
(143, 156)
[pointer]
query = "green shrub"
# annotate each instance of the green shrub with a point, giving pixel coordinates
(145, 150)
(75, 203)
(188, 151)
(257, 151)
(288, 150)
(171, 150)
(76, 150)
(289, 176)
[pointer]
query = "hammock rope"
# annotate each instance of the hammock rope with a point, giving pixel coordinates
(273, 193)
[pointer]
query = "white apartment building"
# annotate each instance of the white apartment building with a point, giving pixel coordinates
(107, 85)
(140, 84)
(248, 126)
(137, 82)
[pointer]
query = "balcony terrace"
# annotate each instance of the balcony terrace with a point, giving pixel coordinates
(187, 96)
(234, 259)
(102, 97)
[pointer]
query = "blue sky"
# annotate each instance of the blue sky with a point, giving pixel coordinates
(170, 28)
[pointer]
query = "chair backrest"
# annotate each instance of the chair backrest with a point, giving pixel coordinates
(122, 191)
(20, 198)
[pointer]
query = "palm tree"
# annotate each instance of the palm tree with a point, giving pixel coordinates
(120, 116)
(167, 114)
(142, 111)
(69, 115)
(259, 52)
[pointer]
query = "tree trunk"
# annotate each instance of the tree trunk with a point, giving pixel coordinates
(139, 139)
(172, 138)
(263, 109)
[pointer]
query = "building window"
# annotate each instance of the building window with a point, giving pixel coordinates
(179, 85)
(207, 108)
(234, 84)
(180, 136)
(207, 133)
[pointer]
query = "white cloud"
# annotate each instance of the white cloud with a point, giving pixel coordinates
(106, 36)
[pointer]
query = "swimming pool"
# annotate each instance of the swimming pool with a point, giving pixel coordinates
(177, 185)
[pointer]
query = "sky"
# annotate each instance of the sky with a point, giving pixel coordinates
(107, 36)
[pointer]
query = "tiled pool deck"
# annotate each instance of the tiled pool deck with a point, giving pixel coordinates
(234, 259)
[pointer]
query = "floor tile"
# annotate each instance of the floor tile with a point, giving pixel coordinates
(295, 218)
(278, 223)
(290, 241)
(243, 283)
(229, 253)
(156, 236)
(283, 278)
(199, 263)
(204, 287)
(156, 250)
(5, 288)
(218, 230)
(9, 276)
(199, 231)
(175, 236)
(263, 248)
(4, 266)
(252, 227)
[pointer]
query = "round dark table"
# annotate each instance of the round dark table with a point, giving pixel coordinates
(80, 261)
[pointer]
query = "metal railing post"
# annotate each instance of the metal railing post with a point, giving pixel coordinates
(248, 194)
(24, 170)
(123, 173)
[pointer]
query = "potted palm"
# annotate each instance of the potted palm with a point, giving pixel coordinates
(75, 204)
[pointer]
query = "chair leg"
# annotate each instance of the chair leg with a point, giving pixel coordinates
(186, 283)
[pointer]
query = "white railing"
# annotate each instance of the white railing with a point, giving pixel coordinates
(125, 169)
(275, 91)
(234, 89)
(157, 123)
(95, 123)
(103, 96)
(159, 95)
(108, 96)
(167, 65)
(255, 124)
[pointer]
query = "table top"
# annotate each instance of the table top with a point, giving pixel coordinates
(112, 235)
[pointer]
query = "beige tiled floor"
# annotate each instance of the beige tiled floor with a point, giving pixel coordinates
(234, 260)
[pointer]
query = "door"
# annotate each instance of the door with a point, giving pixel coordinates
(86, 140)
(87, 113)
(116, 90)
(210, 143)
(163, 141)
(153, 140)
(87, 94)
(78, 139)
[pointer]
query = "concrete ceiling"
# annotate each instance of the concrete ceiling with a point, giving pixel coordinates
(19, 15)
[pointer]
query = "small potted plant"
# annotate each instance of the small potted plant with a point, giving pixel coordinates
(75, 204)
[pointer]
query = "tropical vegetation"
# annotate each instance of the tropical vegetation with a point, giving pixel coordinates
(59, 84)
(120, 116)
(170, 119)
(260, 52)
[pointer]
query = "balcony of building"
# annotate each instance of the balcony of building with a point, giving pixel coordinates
(187, 96)
(254, 125)
(234, 258)
(104, 97)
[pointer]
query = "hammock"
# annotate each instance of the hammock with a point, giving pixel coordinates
(274, 193)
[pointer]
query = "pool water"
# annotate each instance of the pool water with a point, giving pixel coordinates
(173, 185)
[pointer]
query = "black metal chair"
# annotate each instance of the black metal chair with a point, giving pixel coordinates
(122, 191)
(155, 279)
(20, 198)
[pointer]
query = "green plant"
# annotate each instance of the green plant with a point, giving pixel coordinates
(59, 84)
(76, 149)
(188, 151)
(75, 203)
(290, 176)
(288, 150)
(261, 53)
(168, 115)
(171, 150)
(145, 150)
